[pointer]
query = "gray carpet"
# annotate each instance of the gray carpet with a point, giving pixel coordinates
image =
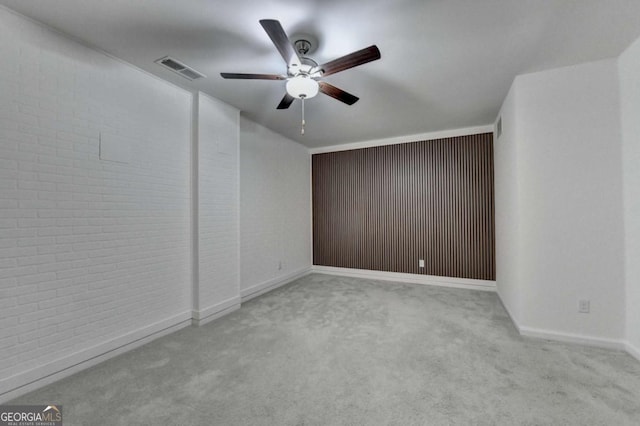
(340, 351)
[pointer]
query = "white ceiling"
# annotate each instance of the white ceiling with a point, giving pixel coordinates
(445, 64)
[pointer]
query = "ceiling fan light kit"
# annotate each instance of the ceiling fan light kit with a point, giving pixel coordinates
(302, 87)
(303, 79)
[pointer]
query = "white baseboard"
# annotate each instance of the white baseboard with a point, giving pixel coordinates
(514, 321)
(24, 382)
(407, 278)
(266, 286)
(206, 315)
(572, 338)
(632, 350)
(564, 337)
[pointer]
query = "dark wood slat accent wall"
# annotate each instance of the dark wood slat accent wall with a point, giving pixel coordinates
(384, 208)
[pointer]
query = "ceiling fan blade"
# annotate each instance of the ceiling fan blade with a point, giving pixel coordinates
(241, 76)
(286, 101)
(281, 41)
(351, 60)
(336, 93)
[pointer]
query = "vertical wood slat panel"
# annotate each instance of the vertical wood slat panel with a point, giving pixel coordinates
(384, 208)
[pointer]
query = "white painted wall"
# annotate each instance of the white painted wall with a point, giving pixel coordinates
(569, 203)
(629, 72)
(508, 281)
(217, 287)
(94, 253)
(275, 208)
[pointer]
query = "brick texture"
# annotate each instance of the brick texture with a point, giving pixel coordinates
(89, 249)
(218, 223)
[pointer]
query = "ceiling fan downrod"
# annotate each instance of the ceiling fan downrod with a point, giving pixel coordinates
(302, 47)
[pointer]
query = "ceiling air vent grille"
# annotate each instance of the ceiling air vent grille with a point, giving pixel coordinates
(179, 68)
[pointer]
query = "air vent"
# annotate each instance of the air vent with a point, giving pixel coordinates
(179, 68)
(191, 74)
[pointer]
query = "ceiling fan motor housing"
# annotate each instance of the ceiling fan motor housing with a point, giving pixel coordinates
(301, 82)
(303, 72)
(307, 66)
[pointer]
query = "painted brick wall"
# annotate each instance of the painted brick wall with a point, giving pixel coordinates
(218, 262)
(90, 250)
(275, 207)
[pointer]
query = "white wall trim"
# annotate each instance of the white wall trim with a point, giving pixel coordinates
(310, 208)
(633, 351)
(569, 337)
(210, 313)
(27, 381)
(572, 338)
(405, 139)
(266, 286)
(195, 201)
(483, 285)
(506, 308)
(238, 205)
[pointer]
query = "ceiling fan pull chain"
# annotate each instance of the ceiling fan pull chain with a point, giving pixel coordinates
(303, 122)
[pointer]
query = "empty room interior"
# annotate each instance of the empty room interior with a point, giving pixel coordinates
(419, 212)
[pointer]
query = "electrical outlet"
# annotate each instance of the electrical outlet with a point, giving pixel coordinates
(279, 265)
(584, 306)
(421, 263)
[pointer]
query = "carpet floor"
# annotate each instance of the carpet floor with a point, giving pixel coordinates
(327, 350)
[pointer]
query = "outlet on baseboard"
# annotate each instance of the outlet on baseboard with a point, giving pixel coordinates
(584, 306)
(421, 263)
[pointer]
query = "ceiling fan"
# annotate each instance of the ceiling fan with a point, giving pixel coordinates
(304, 75)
